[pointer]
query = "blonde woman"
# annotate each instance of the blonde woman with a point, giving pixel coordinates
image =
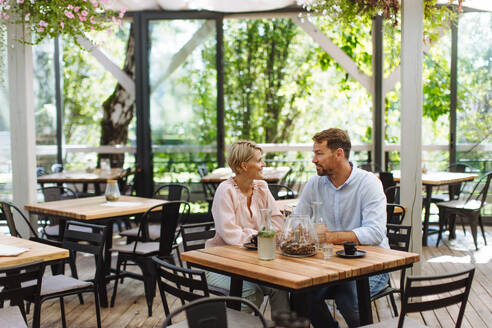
(236, 212)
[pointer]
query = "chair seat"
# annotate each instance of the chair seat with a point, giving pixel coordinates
(59, 283)
(235, 319)
(440, 198)
(11, 317)
(154, 232)
(471, 205)
(142, 248)
(408, 323)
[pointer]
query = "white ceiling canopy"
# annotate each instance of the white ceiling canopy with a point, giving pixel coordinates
(238, 6)
(210, 5)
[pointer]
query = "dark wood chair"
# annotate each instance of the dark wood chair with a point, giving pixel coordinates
(466, 208)
(445, 290)
(190, 286)
(140, 252)
(280, 191)
(83, 238)
(399, 239)
(18, 283)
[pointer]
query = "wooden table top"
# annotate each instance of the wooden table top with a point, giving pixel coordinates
(93, 208)
(81, 176)
(441, 177)
(298, 273)
(37, 251)
(270, 174)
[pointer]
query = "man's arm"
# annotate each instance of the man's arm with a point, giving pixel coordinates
(336, 237)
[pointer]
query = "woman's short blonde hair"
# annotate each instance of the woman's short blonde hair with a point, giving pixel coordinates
(241, 151)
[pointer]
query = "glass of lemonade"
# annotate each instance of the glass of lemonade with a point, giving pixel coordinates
(266, 236)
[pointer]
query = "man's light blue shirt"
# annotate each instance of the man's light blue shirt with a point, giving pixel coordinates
(358, 205)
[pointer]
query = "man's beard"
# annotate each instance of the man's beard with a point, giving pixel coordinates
(321, 171)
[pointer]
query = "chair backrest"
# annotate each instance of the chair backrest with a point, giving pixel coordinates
(124, 183)
(202, 170)
(173, 191)
(11, 287)
(185, 284)
(449, 289)
(454, 189)
(280, 191)
(86, 238)
(395, 213)
(57, 193)
(211, 312)
(170, 214)
(196, 234)
(392, 194)
(481, 189)
(57, 168)
(387, 180)
(398, 236)
(7, 214)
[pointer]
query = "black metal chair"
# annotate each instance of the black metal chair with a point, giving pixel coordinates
(469, 207)
(212, 312)
(387, 180)
(140, 253)
(194, 236)
(454, 190)
(370, 167)
(170, 192)
(208, 188)
(280, 191)
(13, 288)
(84, 238)
(395, 213)
(190, 286)
(447, 289)
(399, 239)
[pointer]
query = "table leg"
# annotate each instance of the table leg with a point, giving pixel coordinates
(103, 296)
(300, 303)
(428, 196)
(364, 300)
(236, 289)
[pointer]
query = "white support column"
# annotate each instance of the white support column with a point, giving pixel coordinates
(411, 119)
(22, 130)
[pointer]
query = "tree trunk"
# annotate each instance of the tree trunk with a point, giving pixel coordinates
(118, 110)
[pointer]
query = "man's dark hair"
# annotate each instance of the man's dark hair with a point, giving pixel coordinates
(335, 138)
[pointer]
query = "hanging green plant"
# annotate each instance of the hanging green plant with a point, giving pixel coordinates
(51, 18)
(346, 10)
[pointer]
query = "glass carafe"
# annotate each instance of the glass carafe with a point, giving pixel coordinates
(316, 216)
(266, 236)
(112, 193)
(299, 237)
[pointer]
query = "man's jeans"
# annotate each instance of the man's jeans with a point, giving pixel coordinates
(345, 295)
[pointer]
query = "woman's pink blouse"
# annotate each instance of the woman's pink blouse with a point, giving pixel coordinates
(233, 222)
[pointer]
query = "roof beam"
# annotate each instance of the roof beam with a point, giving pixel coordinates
(180, 57)
(126, 82)
(336, 53)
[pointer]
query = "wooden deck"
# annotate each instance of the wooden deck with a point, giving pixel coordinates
(131, 310)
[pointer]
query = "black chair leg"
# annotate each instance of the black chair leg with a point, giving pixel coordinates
(442, 219)
(481, 227)
(36, 319)
(473, 228)
(98, 310)
(62, 310)
(118, 270)
(393, 304)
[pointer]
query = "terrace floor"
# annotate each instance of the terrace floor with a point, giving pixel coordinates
(131, 310)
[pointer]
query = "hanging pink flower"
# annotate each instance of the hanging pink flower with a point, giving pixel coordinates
(41, 29)
(20, 1)
(62, 25)
(92, 20)
(26, 18)
(82, 18)
(95, 4)
(70, 7)
(43, 23)
(69, 14)
(76, 9)
(84, 13)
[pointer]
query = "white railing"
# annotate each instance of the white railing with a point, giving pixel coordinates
(118, 149)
